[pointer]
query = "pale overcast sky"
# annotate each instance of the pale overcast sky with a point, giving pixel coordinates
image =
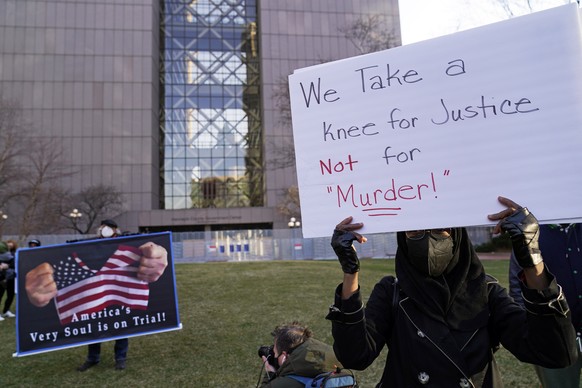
(425, 19)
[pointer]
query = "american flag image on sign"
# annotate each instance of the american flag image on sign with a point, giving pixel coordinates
(82, 290)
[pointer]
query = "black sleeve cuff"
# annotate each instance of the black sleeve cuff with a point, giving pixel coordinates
(549, 301)
(348, 311)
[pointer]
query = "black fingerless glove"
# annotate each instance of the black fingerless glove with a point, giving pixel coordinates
(523, 229)
(342, 244)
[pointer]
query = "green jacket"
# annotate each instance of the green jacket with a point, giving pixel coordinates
(308, 360)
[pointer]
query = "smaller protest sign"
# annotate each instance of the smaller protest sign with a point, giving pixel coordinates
(93, 291)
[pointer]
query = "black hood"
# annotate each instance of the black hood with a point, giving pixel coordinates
(458, 298)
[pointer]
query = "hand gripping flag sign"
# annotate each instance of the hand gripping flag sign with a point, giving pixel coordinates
(93, 291)
(82, 290)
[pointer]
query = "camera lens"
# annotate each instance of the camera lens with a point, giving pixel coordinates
(266, 351)
(269, 353)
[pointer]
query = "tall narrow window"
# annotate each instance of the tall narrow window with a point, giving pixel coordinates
(211, 119)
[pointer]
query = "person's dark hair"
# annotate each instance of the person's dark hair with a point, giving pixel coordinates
(12, 245)
(291, 335)
(34, 243)
(110, 223)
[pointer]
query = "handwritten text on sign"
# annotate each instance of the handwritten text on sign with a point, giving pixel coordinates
(430, 134)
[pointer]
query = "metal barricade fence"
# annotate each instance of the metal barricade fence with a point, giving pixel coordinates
(257, 245)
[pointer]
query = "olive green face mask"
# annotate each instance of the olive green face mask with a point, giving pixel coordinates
(431, 256)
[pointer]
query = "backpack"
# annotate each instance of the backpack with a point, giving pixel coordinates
(339, 378)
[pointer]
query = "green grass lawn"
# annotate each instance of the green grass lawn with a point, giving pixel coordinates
(227, 311)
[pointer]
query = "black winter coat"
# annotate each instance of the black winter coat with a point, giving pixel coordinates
(425, 352)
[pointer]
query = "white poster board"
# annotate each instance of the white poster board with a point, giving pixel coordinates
(429, 134)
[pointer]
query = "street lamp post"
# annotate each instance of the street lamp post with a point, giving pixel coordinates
(3, 218)
(75, 215)
(293, 224)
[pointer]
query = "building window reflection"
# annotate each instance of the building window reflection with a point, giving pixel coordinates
(212, 132)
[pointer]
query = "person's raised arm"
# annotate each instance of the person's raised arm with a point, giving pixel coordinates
(523, 229)
(342, 241)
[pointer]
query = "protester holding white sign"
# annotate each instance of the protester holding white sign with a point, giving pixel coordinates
(442, 317)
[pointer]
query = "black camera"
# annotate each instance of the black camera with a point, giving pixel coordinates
(268, 352)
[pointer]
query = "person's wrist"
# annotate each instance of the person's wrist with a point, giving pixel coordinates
(350, 265)
(349, 286)
(528, 256)
(534, 270)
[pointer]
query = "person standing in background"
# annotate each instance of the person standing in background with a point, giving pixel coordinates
(107, 229)
(560, 248)
(7, 252)
(34, 243)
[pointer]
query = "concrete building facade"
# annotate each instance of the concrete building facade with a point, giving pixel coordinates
(176, 103)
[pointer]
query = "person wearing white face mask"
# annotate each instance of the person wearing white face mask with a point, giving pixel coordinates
(107, 229)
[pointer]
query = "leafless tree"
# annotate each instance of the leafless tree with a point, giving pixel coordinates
(290, 205)
(39, 192)
(30, 167)
(521, 7)
(12, 131)
(370, 33)
(510, 8)
(94, 203)
(31, 170)
(282, 101)
(285, 151)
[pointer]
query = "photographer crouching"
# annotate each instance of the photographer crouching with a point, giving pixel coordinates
(294, 353)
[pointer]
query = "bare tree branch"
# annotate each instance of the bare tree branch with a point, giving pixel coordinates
(39, 191)
(370, 34)
(282, 101)
(94, 203)
(511, 8)
(289, 205)
(12, 145)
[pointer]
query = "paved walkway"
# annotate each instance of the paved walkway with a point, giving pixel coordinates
(493, 255)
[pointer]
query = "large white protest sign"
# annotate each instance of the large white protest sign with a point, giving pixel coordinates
(428, 135)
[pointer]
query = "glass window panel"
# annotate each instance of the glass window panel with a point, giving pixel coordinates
(206, 122)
